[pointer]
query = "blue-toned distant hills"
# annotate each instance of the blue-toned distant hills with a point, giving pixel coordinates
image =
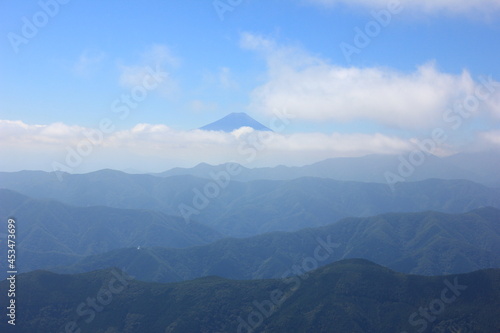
(140, 209)
(233, 121)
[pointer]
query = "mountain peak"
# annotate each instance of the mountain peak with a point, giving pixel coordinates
(233, 121)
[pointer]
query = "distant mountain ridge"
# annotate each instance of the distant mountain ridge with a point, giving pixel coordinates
(476, 167)
(234, 121)
(244, 209)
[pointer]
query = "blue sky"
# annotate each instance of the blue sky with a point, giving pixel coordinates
(256, 57)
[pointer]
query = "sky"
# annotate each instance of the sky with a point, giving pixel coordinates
(88, 85)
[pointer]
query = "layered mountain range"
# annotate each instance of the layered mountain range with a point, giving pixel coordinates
(328, 247)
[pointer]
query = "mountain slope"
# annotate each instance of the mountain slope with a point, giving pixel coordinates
(248, 208)
(348, 296)
(50, 232)
(264, 206)
(426, 243)
(234, 121)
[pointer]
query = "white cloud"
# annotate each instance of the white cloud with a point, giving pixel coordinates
(158, 147)
(158, 59)
(88, 63)
(311, 88)
(493, 102)
(200, 106)
(490, 138)
(426, 6)
(221, 78)
(160, 54)
(242, 131)
(226, 80)
(16, 132)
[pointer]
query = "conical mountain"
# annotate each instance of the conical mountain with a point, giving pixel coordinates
(233, 121)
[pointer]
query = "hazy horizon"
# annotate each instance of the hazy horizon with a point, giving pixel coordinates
(331, 78)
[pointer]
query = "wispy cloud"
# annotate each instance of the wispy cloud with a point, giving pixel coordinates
(221, 78)
(88, 63)
(312, 88)
(425, 6)
(226, 79)
(158, 58)
(490, 138)
(200, 106)
(161, 54)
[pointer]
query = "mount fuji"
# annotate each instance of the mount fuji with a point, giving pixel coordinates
(233, 121)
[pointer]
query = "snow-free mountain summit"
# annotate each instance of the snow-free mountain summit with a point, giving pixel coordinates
(233, 121)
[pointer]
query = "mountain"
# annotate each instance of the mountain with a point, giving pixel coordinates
(426, 243)
(242, 209)
(264, 206)
(205, 170)
(476, 167)
(348, 296)
(52, 233)
(234, 121)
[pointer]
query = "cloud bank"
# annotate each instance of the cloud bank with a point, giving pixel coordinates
(311, 88)
(155, 148)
